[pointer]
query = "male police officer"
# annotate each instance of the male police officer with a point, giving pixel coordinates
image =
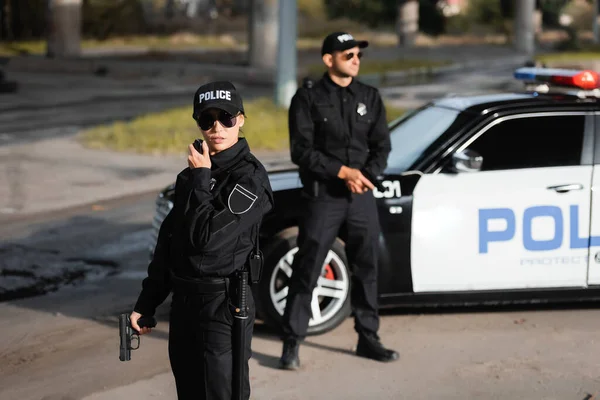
(340, 140)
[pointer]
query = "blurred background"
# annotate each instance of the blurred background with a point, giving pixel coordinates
(564, 24)
(95, 120)
(272, 45)
(152, 28)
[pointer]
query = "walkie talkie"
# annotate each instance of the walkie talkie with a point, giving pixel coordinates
(198, 145)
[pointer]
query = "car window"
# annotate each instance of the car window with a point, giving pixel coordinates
(415, 132)
(532, 142)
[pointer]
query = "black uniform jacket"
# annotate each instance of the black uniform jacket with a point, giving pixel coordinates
(212, 226)
(322, 139)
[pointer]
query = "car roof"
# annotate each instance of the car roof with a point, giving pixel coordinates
(515, 100)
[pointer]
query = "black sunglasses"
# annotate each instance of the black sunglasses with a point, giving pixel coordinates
(350, 56)
(207, 120)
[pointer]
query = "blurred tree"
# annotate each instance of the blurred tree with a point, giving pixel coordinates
(3, 20)
(22, 19)
(551, 10)
(382, 13)
(311, 8)
(372, 13)
(105, 18)
(431, 18)
(489, 13)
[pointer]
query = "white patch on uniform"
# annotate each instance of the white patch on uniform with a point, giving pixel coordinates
(240, 200)
(361, 109)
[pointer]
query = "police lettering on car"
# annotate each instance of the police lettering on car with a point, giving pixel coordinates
(206, 245)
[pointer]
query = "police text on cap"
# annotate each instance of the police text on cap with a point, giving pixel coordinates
(214, 95)
(344, 38)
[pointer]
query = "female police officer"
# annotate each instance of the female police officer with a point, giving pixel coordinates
(208, 236)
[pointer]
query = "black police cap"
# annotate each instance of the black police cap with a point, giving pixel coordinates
(340, 41)
(221, 94)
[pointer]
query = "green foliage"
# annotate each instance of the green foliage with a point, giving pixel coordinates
(372, 13)
(104, 18)
(551, 10)
(377, 14)
(171, 131)
(25, 18)
(431, 19)
(311, 8)
(582, 14)
(487, 13)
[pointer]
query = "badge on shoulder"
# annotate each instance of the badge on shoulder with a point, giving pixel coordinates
(240, 200)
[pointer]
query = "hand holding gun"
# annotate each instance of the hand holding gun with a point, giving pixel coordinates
(127, 334)
(376, 182)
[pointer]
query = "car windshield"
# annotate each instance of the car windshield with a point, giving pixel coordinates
(414, 132)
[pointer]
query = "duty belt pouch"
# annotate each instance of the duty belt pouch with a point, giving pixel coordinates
(256, 260)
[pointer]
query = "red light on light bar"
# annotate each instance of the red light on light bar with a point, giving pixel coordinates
(587, 80)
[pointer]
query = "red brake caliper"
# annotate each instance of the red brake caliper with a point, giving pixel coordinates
(329, 272)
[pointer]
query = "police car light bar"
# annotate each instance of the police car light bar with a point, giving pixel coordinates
(580, 79)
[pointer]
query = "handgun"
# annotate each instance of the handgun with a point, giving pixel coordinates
(374, 180)
(127, 334)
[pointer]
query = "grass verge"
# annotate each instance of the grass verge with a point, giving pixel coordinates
(586, 54)
(152, 42)
(160, 43)
(171, 131)
(377, 67)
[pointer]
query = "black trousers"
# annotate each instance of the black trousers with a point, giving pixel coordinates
(200, 345)
(324, 216)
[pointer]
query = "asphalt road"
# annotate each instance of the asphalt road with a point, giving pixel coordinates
(55, 105)
(64, 345)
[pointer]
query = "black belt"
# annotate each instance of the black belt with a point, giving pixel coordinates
(199, 285)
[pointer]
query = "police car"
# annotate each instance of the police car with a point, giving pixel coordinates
(488, 199)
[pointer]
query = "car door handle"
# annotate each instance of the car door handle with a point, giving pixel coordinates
(566, 188)
(394, 202)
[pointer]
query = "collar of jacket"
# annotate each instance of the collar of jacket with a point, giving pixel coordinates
(229, 157)
(331, 86)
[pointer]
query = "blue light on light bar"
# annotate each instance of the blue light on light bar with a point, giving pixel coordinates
(582, 79)
(525, 74)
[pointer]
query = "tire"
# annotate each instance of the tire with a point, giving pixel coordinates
(334, 306)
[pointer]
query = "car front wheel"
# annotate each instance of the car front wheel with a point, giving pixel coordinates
(330, 303)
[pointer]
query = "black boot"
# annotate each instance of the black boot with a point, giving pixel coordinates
(289, 357)
(369, 346)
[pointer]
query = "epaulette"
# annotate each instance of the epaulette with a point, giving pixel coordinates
(308, 83)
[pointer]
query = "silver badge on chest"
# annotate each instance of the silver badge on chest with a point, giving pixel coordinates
(361, 109)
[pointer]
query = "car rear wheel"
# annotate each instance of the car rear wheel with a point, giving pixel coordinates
(331, 297)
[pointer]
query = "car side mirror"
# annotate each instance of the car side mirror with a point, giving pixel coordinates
(466, 161)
